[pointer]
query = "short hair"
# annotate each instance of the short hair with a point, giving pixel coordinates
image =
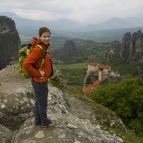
(44, 29)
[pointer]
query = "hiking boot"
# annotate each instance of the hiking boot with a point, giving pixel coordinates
(52, 124)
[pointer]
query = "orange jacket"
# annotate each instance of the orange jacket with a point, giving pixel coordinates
(33, 61)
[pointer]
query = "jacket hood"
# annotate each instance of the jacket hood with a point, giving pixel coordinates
(36, 41)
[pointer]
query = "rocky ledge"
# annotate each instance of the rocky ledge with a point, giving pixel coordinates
(17, 121)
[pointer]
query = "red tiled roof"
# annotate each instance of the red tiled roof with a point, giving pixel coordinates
(94, 64)
(99, 65)
(107, 67)
(112, 51)
(88, 89)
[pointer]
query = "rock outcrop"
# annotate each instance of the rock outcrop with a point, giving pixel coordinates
(15, 105)
(67, 52)
(5, 134)
(16, 98)
(132, 48)
(114, 50)
(9, 41)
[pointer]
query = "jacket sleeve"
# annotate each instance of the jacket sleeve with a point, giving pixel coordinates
(31, 60)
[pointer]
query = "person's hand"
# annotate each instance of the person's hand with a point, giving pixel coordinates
(42, 72)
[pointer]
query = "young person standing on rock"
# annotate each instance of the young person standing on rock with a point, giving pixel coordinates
(40, 77)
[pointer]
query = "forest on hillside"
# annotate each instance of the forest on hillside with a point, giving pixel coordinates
(124, 98)
(74, 69)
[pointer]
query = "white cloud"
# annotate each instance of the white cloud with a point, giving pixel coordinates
(2, 1)
(93, 10)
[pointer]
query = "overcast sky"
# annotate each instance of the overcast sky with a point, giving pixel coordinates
(91, 11)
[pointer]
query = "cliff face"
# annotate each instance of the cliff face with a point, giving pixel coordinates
(129, 51)
(67, 52)
(114, 50)
(9, 41)
(132, 48)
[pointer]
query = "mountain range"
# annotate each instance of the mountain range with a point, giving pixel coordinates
(110, 30)
(69, 25)
(114, 23)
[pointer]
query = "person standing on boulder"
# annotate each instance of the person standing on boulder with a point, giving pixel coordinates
(40, 77)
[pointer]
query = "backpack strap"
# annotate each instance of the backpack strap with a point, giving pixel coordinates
(43, 56)
(28, 48)
(43, 59)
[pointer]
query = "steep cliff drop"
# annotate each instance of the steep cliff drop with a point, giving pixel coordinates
(9, 41)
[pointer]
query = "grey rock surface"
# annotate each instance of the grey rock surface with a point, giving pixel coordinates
(15, 105)
(16, 97)
(69, 128)
(5, 134)
(132, 47)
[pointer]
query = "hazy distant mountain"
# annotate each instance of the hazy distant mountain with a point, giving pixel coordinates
(136, 22)
(112, 29)
(9, 14)
(61, 24)
(69, 25)
(113, 23)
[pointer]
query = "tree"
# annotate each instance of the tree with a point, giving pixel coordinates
(125, 98)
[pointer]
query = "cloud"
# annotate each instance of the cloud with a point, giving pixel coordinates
(1, 1)
(78, 10)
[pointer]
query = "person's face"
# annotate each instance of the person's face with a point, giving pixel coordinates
(45, 37)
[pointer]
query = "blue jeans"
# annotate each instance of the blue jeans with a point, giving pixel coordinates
(40, 109)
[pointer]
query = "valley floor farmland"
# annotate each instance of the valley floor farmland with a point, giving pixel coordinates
(73, 73)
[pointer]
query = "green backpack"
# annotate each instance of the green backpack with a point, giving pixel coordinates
(23, 53)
